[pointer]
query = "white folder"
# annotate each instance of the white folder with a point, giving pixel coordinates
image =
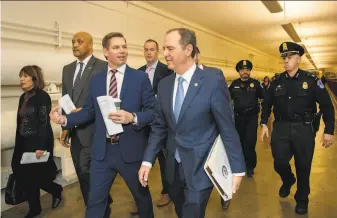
(218, 169)
(30, 157)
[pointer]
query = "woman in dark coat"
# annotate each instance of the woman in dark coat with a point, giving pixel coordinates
(266, 83)
(34, 134)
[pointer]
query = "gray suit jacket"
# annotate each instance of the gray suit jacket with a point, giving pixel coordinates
(94, 66)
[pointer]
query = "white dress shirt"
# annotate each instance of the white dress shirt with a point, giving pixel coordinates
(85, 63)
(119, 79)
(151, 72)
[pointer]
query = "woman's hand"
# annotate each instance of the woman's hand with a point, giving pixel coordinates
(39, 153)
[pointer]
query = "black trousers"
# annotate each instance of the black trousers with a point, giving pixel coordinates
(162, 164)
(81, 159)
(246, 127)
(34, 177)
(293, 139)
(188, 203)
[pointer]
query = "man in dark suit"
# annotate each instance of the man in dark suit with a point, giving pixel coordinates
(216, 71)
(121, 153)
(156, 71)
(75, 81)
(189, 125)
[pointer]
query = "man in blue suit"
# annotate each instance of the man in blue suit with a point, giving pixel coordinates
(224, 204)
(192, 109)
(120, 153)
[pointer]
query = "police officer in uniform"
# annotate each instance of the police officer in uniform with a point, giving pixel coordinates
(294, 95)
(245, 93)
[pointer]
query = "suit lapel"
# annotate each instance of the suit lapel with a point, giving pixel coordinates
(102, 85)
(171, 98)
(85, 75)
(157, 72)
(71, 79)
(195, 84)
(127, 78)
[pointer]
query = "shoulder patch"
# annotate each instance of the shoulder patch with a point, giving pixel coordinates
(320, 84)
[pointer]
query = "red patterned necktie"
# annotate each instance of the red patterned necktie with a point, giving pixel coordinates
(113, 84)
(114, 93)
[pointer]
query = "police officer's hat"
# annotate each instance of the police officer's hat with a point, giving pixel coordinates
(244, 64)
(290, 48)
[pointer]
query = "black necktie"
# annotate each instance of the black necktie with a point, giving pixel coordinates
(76, 86)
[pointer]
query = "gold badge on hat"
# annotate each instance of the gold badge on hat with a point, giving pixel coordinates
(251, 85)
(285, 47)
(305, 85)
(196, 84)
(244, 63)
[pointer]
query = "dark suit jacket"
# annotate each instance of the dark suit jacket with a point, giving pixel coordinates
(160, 73)
(94, 65)
(202, 118)
(137, 97)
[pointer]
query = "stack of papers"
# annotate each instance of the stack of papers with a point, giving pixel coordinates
(30, 157)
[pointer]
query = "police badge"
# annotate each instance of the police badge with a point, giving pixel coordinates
(305, 85)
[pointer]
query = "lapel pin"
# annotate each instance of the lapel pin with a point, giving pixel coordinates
(196, 84)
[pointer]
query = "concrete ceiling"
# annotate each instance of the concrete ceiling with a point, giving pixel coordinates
(251, 23)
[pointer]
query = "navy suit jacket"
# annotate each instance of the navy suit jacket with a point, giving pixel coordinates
(205, 113)
(136, 97)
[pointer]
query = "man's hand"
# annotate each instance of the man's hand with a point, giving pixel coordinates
(121, 117)
(327, 140)
(63, 137)
(39, 153)
(143, 175)
(76, 110)
(236, 183)
(56, 117)
(264, 132)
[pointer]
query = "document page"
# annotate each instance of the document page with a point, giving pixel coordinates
(107, 105)
(67, 104)
(218, 169)
(30, 157)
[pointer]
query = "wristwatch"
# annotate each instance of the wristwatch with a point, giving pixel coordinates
(133, 122)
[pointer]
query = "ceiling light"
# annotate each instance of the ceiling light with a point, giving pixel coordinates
(289, 28)
(273, 6)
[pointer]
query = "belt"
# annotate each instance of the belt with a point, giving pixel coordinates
(248, 111)
(295, 118)
(112, 141)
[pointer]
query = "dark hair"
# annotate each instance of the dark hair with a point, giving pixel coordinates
(106, 39)
(197, 51)
(151, 40)
(266, 77)
(186, 37)
(36, 73)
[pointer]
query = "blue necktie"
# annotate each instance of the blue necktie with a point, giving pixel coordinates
(177, 107)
